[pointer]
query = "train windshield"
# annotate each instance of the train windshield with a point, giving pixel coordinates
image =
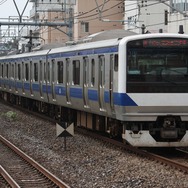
(157, 65)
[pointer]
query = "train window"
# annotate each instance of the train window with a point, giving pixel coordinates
(41, 70)
(48, 72)
(2, 70)
(67, 70)
(2, 67)
(60, 71)
(93, 72)
(116, 62)
(45, 77)
(12, 71)
(31, 71)
(85, 70)
(101, 70)
(7, 70)
(22, 71)
(19, 72)
(16, 71)
(76, 72)
(36, 72)
(53, 70)
(26, 71)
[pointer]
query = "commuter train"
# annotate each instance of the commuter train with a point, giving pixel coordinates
(135, 87)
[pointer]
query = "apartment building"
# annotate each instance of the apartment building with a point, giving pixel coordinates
(84, 17)
(178, 15)
(91, 17)
(156, 15)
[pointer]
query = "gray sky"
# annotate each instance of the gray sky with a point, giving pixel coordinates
(7, 8)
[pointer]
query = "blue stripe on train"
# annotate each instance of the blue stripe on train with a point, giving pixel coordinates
(121, 99)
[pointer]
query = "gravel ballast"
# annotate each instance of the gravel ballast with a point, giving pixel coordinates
(86, 163)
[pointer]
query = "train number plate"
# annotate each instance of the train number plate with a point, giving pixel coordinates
(169, 134)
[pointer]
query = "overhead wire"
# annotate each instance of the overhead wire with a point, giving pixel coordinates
(81, 16)
(158, 2)
(110, 8)
(2, 2)
(156, 24)
(89, 10)
(95, 14)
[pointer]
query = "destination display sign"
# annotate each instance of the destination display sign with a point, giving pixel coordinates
(165, 42)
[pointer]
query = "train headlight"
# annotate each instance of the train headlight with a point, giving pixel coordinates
(169, 122)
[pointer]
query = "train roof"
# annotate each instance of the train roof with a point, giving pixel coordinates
(100, 36)
(101, 39)
(110, 34)
(98, 40)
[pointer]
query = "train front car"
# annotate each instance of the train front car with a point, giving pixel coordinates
(155, 113)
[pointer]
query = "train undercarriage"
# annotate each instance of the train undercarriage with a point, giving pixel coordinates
(64, 114)
(166, 131)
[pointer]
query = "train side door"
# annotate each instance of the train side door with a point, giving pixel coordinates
(31, 78)
(101, 85)
(48, 79)
(85, 81)
(1, 73)
(53, 80)
(11, 78)
(41, 78)
(18, 78)
(67, 81)
(23, 77)
(113, 60)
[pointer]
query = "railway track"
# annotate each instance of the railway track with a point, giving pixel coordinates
(25, 172)
(175, 154)
(179, 164)
(6, 180)
(143, 153)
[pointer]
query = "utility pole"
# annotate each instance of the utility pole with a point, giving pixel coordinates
(68, 22)
(70, 32)
(20, 15)
(30, 43)
(100, 9)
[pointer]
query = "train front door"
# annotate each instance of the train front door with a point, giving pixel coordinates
(101, 85)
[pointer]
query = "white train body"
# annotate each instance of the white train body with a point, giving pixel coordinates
(140, 82)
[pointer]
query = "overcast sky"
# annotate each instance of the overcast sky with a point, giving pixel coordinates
(7, 8)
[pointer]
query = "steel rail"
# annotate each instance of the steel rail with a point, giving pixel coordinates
(8, 178)
(137, 151)
(44, 171)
